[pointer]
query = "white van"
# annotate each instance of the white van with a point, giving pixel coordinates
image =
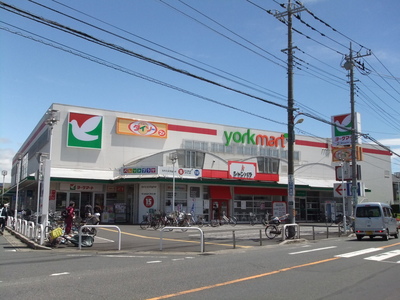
(375, 219)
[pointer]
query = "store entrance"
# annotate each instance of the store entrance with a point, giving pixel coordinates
(219, 207)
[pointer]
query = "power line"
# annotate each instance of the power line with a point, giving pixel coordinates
(92, 58)
(112, 46)
(259, 88)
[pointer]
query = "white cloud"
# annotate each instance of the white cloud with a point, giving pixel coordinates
(390, 142)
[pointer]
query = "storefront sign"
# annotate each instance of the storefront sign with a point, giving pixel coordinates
(141, 128)
(253, 139)
(241, 170)
(341, 132)
(148, 201)
(148, 195)
(344, 153)
(139, 171)
(179, 172)
(81, 187)
(162, 171)
(278, 208)
(84, 131)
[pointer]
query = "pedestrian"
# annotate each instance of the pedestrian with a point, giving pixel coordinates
(70, 217)
(98, 210)
(4, 213)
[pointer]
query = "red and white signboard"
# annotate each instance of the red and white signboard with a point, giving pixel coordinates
(339, 189)
(241, 170)
(342, 130)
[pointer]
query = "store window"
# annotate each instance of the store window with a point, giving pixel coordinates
(243, 205)
(268, 165)
(180, 196)
(190, 159)
(61, 201)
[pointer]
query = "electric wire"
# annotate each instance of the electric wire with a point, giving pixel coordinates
(92, 58)
(114, 47)
(121, 49)
(225, 36)
(257, 87)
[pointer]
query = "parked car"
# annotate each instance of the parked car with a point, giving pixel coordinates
(375, 219)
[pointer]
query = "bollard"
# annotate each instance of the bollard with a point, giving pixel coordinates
(260, 238)
(234, 240)
(313, 232)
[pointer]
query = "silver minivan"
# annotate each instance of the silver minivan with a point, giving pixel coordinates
(375, 219)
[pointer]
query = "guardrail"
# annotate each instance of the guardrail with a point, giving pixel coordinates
(297, 232)
(98, 226)
(335, 230)
(169, 228)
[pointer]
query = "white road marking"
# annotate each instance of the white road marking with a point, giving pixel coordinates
(359, 252)
(104, 240)
(384, 256)
(154, 262)
(312, 250)
(59, 274)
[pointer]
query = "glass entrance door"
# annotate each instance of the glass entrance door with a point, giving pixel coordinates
(219, 207)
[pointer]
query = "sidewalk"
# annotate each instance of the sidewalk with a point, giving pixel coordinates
(134, 239)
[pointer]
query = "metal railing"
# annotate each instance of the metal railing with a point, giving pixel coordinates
(98, 226)
(297, 232)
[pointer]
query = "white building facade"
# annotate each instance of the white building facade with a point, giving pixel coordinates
(122, 162)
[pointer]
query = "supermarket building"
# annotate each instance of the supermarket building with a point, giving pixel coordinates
(130, 165)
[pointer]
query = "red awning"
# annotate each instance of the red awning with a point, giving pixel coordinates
(220, 192)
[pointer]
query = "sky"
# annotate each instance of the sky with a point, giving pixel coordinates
(214, 61)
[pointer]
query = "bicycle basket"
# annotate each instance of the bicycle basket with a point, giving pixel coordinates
(56, 233)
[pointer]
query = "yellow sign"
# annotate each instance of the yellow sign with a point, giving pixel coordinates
(344, 153)
(141, 128)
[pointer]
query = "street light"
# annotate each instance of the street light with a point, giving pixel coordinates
(52, 119)
(4, 173)
(173, 157)
(18, 175)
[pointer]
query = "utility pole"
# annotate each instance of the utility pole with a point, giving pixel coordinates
(291, 9)
(351, 61)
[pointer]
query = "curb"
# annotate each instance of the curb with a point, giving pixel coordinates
(31, 244)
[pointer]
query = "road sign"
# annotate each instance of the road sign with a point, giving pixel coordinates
(339, 189)
(360, 189)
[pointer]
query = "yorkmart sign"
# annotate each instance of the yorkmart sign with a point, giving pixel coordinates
(252, 139)
(84, 131)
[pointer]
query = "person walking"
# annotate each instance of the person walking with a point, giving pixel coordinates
(70, 217)
(3, 217)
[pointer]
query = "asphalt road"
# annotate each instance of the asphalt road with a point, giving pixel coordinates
(334, 268)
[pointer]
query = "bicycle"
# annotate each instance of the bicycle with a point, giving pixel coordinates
(254, 220)
(225, 220)
(349, 227)
(196, 221)
(274, 227)
(149, 221)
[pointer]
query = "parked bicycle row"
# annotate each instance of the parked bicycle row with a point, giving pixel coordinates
(57, 231)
